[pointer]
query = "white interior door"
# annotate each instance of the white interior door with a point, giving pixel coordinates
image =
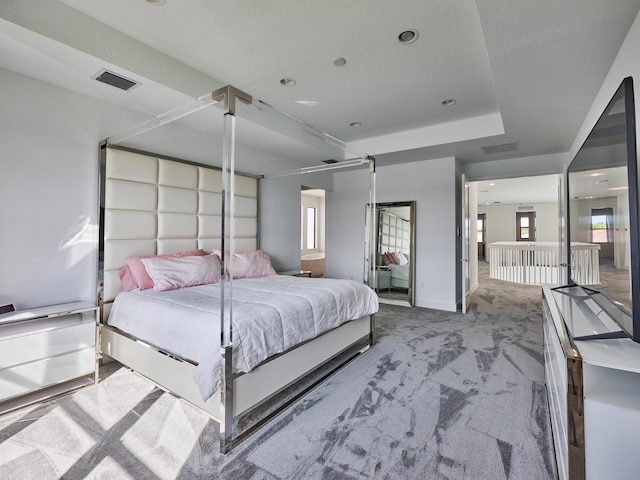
(466, 229)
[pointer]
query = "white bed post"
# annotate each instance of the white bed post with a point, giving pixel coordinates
(229, 94)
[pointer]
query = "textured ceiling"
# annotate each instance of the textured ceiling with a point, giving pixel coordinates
(520, 71)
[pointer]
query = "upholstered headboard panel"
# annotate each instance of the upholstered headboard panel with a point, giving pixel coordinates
(154, 205)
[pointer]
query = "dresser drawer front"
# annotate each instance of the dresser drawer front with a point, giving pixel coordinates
(44, 344)
(42, 373)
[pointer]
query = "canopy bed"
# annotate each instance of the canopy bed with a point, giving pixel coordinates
(179, 248)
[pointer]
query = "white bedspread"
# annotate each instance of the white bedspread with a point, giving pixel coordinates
(270, 315)
(400, 271)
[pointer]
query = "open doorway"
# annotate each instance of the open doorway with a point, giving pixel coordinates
(481, 236)
(512, 210)
(312, 232)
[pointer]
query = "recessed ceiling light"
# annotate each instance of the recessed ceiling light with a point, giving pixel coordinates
(492, 184)
(408, 36)
(287, 82)
(448, 102)
(309, 103)
(339, 61)
(355, 124)
(157, 2)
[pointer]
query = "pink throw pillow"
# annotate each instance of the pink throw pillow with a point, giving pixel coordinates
(390, 258)
(127, 280)
(400, 258)
(139, 273)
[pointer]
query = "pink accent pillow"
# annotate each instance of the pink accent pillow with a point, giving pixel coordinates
(390, 258)
(171, 273)
(140, 276)
(127, 280)
(251, 265)
(400, 258)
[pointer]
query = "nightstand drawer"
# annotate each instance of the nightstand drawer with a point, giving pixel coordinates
(41, 373)
(46, 342)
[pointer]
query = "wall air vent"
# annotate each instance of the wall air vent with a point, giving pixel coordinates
(330, 161)
(118, 81)
(504, 147)
(525, 207)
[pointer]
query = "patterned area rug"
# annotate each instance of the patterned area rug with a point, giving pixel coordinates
(440, 396)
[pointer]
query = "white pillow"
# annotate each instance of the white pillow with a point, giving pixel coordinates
(174, 273)
(253, 264)
(400, 258)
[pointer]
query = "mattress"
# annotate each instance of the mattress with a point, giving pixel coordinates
(270, 316)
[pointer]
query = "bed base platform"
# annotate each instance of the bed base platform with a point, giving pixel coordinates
(245, 391)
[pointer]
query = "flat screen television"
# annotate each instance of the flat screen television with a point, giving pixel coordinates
(602, 191)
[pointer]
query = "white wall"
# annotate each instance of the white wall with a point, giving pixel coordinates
(501, 222)
(49, 141)
(432, 185)
(516, 167)
(279, 213)
(626, 63)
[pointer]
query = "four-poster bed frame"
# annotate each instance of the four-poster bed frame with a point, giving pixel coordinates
(154, 205)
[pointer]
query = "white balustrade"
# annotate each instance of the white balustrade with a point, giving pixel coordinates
(535, 263)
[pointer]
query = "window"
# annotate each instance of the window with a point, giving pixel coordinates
(526, 226)
(480, 230)
(312, 220)
(601, 225)
(311, 227)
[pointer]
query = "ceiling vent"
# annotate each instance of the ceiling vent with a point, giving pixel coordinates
(525, 207)
(504, 147)
(118, 81)
(330, 161)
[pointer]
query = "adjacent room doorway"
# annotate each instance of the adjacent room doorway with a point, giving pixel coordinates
(312, 232)
(482, 237)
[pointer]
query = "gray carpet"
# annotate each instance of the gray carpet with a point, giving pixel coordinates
(440, 396)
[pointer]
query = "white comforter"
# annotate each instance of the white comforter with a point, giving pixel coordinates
(400, 271)
(270, 315)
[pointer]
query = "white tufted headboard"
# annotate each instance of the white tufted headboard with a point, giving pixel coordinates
(155, 205)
